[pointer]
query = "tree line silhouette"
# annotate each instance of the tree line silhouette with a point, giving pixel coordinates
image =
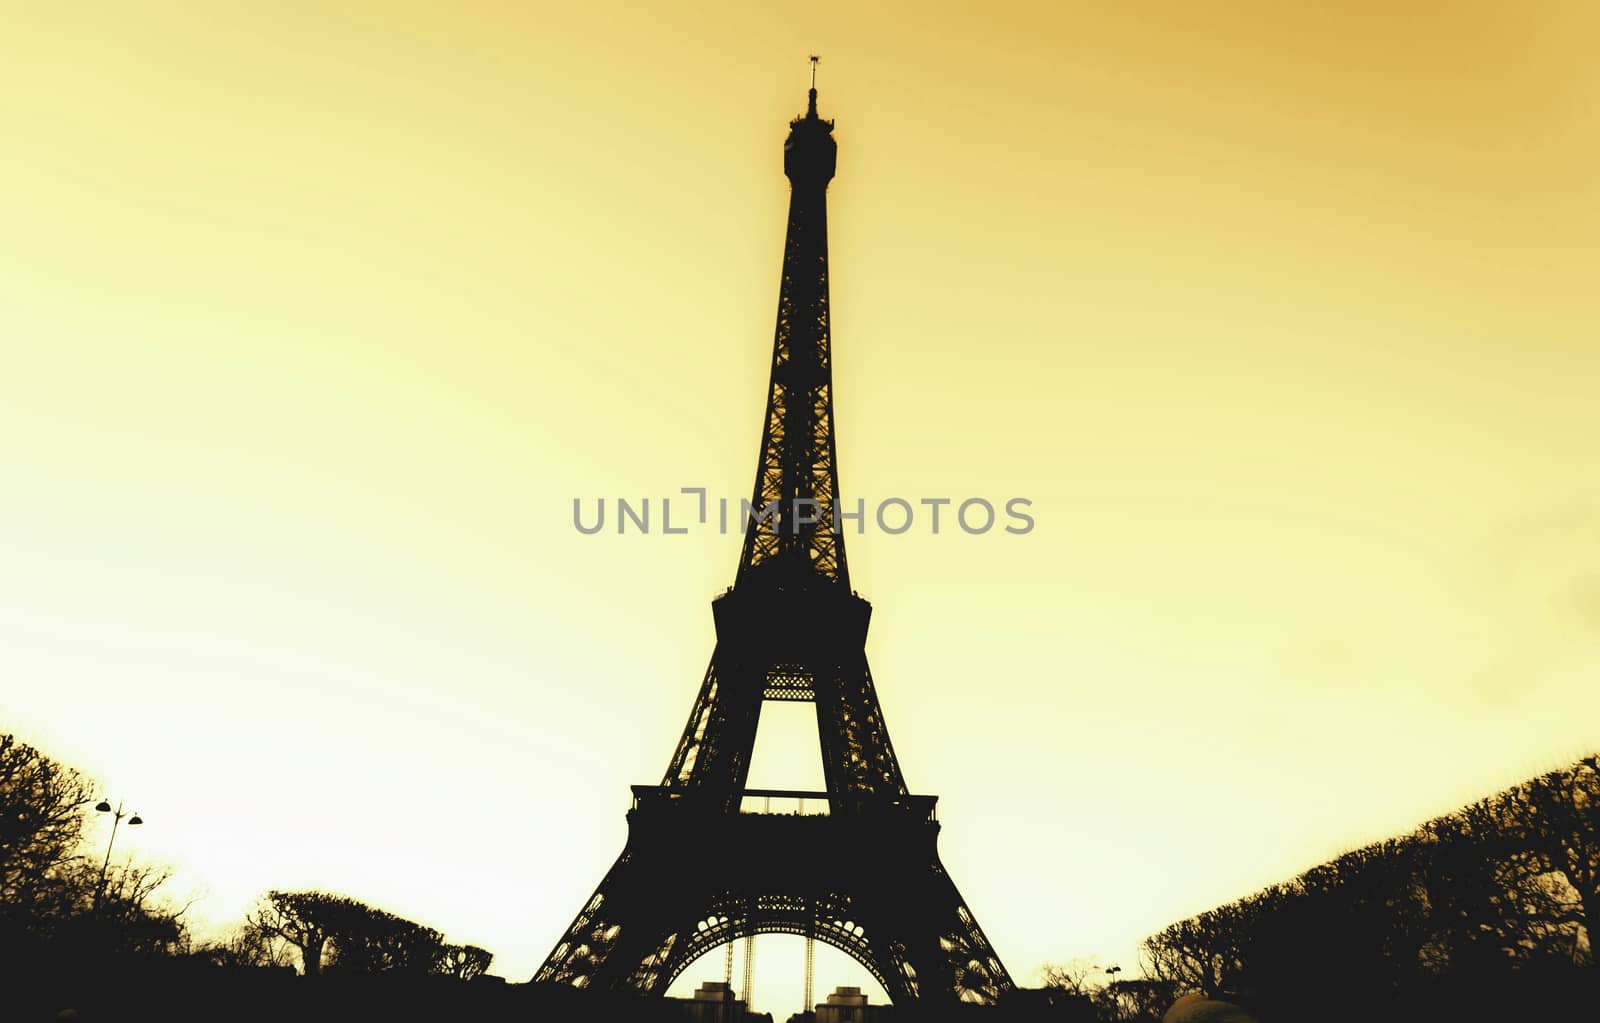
(53, 891)
(60, 902)
(1490, 908)
(1483, 913)
(320, 929)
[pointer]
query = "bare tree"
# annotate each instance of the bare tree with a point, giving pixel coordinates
(374, 941)
(1208, 952)
(1070, 977)
(249, 946)
(129, 915)
(41, 828)
(337, 931)
(1138, 1000)
(302, 919)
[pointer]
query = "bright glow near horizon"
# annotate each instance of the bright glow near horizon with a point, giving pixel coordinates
(316, 319)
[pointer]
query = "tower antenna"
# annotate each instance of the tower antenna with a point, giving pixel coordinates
(814, 60)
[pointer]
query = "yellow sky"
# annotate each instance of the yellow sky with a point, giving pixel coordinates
(316, 317)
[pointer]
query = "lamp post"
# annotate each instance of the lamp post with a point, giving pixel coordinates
(134, 820)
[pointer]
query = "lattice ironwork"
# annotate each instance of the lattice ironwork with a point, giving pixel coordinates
(857, 756)
(590, 940)
(707, 721)
(796, 496)
(748, 992)
(972, 965)
(828, 919)
(865, 878)
(789, 682)
(871, 887)
(807, 1000)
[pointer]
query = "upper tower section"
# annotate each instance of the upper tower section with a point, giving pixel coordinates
(794, 540)
(809, 153)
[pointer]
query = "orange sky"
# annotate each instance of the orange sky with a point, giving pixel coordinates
(315, 319)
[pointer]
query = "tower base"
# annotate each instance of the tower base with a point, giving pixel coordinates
(865, 878)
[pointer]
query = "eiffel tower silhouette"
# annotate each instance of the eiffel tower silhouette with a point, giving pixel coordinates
(701, 868)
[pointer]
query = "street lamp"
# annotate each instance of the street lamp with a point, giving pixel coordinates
(134, 820)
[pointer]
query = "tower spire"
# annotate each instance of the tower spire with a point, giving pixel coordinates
(794, 537)
(811, 105)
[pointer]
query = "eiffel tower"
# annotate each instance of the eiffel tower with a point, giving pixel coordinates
(703, 866)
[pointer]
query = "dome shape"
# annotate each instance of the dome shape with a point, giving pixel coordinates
(1198, 1008)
